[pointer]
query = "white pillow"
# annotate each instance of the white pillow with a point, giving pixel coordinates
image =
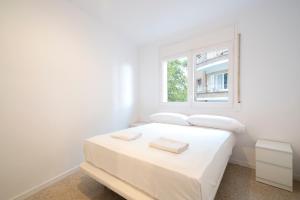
(219, 122)
(169, 118)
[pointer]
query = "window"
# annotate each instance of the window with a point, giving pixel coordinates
(175, 80)
(217, 82)
(211, 68)
(200, 77)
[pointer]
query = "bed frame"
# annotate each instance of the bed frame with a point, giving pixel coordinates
(124, 189)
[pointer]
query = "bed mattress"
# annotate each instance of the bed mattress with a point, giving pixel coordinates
(193, 174)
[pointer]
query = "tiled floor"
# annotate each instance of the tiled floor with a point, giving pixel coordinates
(238, 184)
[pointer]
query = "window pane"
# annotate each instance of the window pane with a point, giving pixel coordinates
(211, 67)
(176, 80)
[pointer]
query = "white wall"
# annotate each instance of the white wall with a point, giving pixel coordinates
(63, 78)
(270, 89)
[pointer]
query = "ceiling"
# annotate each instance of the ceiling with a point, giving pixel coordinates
(145, 21)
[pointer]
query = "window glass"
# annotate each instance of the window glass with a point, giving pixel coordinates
(175, 82)
(211, 76)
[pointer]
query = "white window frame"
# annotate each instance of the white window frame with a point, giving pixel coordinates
(230, 46)
(163, 87)
(190, 54)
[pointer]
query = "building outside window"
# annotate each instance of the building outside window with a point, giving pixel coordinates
(211, 76)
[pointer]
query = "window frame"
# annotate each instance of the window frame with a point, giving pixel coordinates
(162, 81)
(190, 54)
(230, 77)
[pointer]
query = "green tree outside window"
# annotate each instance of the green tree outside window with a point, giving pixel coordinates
(177, 80)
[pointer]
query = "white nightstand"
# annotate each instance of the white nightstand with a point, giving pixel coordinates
(135, 124)
(274, 164)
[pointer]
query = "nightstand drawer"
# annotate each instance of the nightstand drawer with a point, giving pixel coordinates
(273, 173)
(274, 157)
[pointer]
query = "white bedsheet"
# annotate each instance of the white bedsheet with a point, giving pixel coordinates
(193, 174)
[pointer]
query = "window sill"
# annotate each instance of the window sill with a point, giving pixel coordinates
(202, 105)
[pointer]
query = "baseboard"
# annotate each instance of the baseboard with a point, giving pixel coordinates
(45, 184)
(242, 163)
(252, 166)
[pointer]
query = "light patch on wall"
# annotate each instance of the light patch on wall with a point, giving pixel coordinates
(126, 86)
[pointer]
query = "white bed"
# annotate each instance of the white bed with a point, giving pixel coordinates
(137, 171)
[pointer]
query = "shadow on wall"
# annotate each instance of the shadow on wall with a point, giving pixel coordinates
(244, 150)
(123, 94)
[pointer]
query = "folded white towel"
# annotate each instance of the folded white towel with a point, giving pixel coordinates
(127, 136)
(169, 145)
